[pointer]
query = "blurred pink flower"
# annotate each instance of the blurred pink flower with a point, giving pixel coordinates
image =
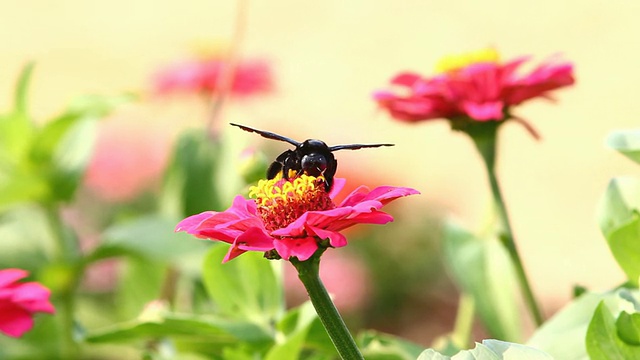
(19, 302)
(127, 160)
(481, 89)
(291, 215)
(251, 77)
(344, 275)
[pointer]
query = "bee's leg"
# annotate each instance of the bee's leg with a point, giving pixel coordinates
(273, 170)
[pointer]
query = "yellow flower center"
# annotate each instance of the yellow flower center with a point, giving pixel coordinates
(281, 201)
(456, 62)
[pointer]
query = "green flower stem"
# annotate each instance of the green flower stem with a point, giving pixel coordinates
(67, 256)
(308, 272)
(464, 321)
(485, 138)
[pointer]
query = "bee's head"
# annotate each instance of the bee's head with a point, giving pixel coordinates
(314, 157)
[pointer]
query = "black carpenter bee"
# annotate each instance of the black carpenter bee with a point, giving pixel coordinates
(312, 157)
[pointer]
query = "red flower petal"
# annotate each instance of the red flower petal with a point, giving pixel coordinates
(302, 248)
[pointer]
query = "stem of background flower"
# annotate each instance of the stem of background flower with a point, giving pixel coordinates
(464, 321)
(66, 258)
(309, 274)
(486, 143)
(225, 81)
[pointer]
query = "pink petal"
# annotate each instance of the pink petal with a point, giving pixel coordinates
(14, 321)
(336, 239)
(33, 297)
(491, 110)
(302, 248)
(373, 217)
(338, 184)
(224, 226)
(383, 194)
(9, 276)
(406, 79)
(255, 239)
(193, 221)
(233, 253)
(356, 196)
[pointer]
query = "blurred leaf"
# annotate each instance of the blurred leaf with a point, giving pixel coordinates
(620, 201)
(21, 188)
(376, 345)
(491, 350)
(16, 135)
(628, 326)
(22, 88)
(98, 106)
(482, 268)
(620, 223)
(140, 282)
(563, 336)
(304, 335)
(627, 142)
(603, 341)
(624, 243)
(215, 331)
(71, 157)
(290, 348)
(149, 236)
(190, 186)
(244, 288)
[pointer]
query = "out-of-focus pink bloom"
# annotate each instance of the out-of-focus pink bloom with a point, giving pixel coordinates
(127, 160)
(345, 276)
(481, 90)
(19, 302)
(251, 77)
(291, 216)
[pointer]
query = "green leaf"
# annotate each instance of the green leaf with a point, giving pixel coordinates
(16, 128)
(244, 288)
(624, 243)
(491, 350)
(216, 332)
(16, 136)
(140, 282)
(22, 88)
(563, 335)
(71, 157)
(628, 325)
(99, 106)
(376, 345)
(190, 181)
(619, 203)
(603, 341)
(482, 268)
(627, 142)
(290, 348)
(620, 223)
(22, 187)
(149, 236)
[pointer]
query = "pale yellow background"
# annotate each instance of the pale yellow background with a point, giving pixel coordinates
(330, 55)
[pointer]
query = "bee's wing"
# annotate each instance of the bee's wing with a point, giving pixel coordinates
(357, 146)
(267, 134)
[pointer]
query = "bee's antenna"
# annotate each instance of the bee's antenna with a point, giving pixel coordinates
(267, 134)
(357, 146)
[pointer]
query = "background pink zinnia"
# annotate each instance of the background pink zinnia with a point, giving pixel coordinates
(481, 90)
(251, 77)
(20, 301)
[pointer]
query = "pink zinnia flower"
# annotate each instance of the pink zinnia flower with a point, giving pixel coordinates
(292, 216)
(477, 87)
(19, 301)
(127, 160)
(250, 77)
